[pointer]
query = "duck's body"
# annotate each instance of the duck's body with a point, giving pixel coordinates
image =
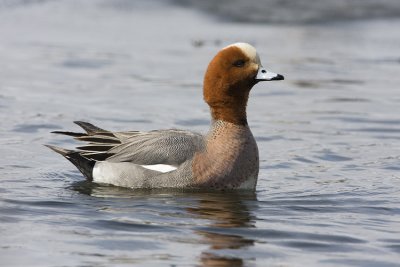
(225, 158)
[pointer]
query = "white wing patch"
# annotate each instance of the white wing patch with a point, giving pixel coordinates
(160, 167)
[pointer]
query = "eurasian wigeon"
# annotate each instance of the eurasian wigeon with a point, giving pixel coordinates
(225, 158)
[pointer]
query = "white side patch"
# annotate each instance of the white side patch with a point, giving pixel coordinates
(160, 167)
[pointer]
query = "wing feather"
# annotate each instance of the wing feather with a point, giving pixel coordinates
(170, 147)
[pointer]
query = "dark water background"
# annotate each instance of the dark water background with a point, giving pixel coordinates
(329, 135)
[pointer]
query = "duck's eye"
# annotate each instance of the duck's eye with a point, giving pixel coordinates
(239, 63)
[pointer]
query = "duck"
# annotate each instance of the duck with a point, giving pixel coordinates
(224, 158)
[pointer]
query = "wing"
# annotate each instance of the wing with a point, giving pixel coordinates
(171, 147)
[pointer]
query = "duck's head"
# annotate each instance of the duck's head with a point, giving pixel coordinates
(229, 78)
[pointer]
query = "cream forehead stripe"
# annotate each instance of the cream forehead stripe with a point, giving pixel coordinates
(247, 49)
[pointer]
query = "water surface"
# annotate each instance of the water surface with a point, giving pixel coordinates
(329, 138)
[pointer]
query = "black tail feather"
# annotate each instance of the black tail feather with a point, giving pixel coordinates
(99, 156)
(70, 133)
(95, 148)
(98, 139)
(90, 128)
(84, 165)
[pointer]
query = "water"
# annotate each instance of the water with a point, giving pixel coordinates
(299, 11)
(329, 139)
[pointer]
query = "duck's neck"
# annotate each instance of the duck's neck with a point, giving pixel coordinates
(229, 113)
(228, 103)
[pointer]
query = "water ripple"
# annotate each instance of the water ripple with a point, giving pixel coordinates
(33, 128)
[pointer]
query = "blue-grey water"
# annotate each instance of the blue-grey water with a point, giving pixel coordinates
(329, 135)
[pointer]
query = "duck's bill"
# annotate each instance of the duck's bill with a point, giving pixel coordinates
(265, 75)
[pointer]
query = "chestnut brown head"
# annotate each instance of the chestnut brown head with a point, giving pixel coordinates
(229, 78)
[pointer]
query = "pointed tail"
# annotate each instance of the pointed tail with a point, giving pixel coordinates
(84, 165)
(90, 128)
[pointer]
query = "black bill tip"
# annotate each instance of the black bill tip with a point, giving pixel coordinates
(278, 77)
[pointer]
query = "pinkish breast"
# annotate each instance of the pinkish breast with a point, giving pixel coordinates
(230, 159)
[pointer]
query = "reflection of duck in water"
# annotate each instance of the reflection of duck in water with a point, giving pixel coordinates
(220, 215)
(226, 212)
